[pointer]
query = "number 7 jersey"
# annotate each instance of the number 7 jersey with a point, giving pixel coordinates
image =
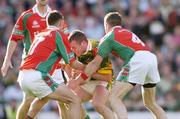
(120, 42)
(48, 48)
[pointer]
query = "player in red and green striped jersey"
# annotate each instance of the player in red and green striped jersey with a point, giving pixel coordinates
(140, 66)
(27, 26)
(30, 23)
(48, 48)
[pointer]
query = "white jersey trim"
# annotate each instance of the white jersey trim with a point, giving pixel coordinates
(35, 10)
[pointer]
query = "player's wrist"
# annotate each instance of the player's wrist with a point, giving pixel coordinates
(84, 76)
(6, 62)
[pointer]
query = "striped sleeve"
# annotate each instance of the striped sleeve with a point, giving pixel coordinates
(63, 47)
(18, 31)
(104, 48)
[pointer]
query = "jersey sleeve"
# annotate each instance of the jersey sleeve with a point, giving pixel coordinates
(18, 31)
(104, 48)
(64, 49)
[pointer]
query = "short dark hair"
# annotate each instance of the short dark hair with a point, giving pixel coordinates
(113, 19)
(54, 16)
(78, 36)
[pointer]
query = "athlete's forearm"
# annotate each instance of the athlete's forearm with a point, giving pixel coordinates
(10, 50)
(93, 66)
(77, 65)
(102, 77)
(90, 69)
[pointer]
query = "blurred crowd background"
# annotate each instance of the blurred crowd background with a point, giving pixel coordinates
(156, 22)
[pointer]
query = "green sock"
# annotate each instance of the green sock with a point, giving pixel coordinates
(87, 116)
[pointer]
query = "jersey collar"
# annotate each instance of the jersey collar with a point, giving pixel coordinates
(35, 10)
(52, 27)
(116, 27)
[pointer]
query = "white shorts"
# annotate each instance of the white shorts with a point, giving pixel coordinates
(58, 76)
(141, 69)
(90, 86)
(33, 84)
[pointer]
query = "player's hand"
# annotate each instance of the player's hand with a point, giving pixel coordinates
(5, 68)
(68, 71)
(72, 84)
(75, 73)
(107, 78)
(76, 82)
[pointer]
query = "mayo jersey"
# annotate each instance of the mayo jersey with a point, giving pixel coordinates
(29, 24)
(121, 42)
(48, 48)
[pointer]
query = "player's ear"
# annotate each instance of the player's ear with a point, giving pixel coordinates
(83, 43)
(60, 24)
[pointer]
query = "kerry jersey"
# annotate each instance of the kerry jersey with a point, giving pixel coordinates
(48, 48)
(105, 68)
(29, 24)
(120, 42)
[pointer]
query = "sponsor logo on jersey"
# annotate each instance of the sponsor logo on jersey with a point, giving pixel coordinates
(43, 19)
(35, 24)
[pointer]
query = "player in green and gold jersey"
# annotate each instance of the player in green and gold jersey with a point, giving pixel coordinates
(96, 88)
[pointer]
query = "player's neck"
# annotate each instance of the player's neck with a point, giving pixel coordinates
(86, 47)
(111, 28)
(42, 8)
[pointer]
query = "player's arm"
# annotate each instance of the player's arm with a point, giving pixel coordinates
(93, 66)
(10, 50)
(17, 34)
(7, 60)
(90, 69)
(103, 51)
(77, 65)
(102, 77)
(68, 56)
(105, 72)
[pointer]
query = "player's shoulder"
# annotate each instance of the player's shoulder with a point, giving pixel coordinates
(94, 42)
(121, 31)
(27, 12)
(60, 34)
(107, 37)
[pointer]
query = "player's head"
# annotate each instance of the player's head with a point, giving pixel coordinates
(78, 42)
(42, 2)
(55, 18)
(112, 19)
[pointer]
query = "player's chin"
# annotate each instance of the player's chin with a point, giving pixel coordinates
(44, 3)
(78, 54)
